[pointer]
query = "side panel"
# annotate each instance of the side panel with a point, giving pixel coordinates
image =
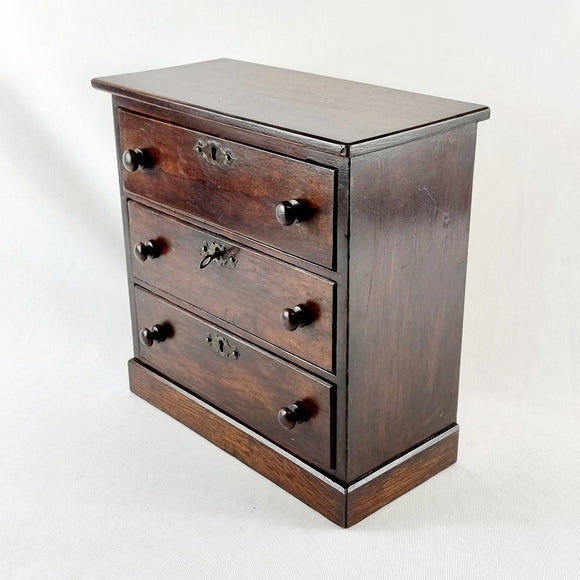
(408, 249)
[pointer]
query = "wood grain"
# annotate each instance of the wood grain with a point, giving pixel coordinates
(382, 260)
(252, 387)
(250, 295)
(288, 104)
(343, 506)
(242, 196)
(292, 475)
(339, 276)
(409, 473)
(408, 247)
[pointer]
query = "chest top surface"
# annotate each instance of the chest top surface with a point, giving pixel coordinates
(324, 108)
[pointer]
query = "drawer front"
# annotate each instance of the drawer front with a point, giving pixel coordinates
(240, 379)
(232, 185)
(250, 292)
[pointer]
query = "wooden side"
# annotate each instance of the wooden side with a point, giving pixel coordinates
(239, 378)
(250, 294)
(290, 474)
(393, 482)
(240, 193)
(341, 316)
(408, 250)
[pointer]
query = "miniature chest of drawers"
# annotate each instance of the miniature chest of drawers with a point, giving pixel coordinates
(296, 250)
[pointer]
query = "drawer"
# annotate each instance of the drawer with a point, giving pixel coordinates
(240, 379)
(242, 286)
(231, 185)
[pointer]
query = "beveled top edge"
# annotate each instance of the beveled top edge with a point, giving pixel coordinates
(337, 116)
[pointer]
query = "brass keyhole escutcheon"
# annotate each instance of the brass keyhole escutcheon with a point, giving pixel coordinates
(222, 346)
(216, 252)
(214, 153)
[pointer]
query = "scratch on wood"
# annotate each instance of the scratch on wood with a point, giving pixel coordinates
(369, 294)
(446, 215)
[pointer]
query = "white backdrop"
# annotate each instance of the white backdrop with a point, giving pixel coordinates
(94, 483)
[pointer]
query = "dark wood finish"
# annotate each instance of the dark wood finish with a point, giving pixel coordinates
(411, 470)
(264, 140)
(251, 295)
(409, 231)
(387, 141)
(393, 254)
(289, 104)
(243, 334)
(291, 474)
(241, 196)
(342, 505)
(250, 385)
(259, 140)
(226, 130)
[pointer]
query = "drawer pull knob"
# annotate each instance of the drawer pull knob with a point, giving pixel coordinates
(135, 159)
(293, 318)
(148, 336)
(144, 250)
(288, 212)
(292, 414)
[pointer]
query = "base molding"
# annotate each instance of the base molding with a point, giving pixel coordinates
(344, 505)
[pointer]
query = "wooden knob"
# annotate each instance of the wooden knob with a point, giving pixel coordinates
(292, 318)
(148, 336)
(135, 159)
(144, 250)
(292, 414)
(288, 212)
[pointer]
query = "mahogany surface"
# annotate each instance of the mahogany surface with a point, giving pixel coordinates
(329, 109)
(251, 294)
(293, 475)
(409, 233)
(296, 251)
(241, 195)
(252, 385)
(344, 505)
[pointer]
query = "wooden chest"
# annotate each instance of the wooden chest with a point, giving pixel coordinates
(296, 250)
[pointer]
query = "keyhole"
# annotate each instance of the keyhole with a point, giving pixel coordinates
(213, 152)
(221, 345)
